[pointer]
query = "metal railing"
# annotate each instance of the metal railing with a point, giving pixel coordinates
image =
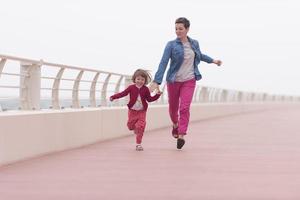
(30, 77)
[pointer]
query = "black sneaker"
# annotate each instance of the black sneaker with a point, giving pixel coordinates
(180, 143)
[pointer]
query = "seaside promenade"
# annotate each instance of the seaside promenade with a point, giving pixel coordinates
(251, 156)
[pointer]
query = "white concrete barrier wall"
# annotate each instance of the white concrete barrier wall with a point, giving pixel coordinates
(29, 134)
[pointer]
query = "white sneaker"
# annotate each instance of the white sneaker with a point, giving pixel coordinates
(139, 147)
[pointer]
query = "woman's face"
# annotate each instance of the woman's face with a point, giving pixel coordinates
(181, 31)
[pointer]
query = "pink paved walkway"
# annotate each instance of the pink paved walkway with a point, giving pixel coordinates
(243, 157)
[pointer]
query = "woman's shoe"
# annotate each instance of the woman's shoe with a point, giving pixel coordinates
(139, 148)
(180, 143)
(175, 132)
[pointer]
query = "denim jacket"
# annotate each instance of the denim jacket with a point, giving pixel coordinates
(174, 51)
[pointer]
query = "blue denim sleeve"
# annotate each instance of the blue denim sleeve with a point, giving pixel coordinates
(163, 64)
(206, 58)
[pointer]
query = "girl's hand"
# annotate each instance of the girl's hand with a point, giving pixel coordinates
(217, 62)
(111, 99)
(159, 92)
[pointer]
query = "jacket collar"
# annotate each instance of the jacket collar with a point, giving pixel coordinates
(189, 39)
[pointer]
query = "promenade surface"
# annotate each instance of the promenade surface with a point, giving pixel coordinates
(254, 156)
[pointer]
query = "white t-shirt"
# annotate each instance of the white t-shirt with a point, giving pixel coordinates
(138, 104)
(186, 70)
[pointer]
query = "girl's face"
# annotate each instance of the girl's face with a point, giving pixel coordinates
(181, 31)
(139, 81)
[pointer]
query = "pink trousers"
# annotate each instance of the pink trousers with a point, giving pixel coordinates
(180, 98)
(137, 123)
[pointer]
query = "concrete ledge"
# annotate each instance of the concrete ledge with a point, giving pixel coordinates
(29, 134)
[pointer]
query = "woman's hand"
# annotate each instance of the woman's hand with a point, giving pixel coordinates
(217, 62)
(153, 86)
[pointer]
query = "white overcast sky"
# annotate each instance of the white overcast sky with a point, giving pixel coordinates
(257, 40)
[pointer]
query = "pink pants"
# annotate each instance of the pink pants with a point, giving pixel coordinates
(137, 123)
(180, 98)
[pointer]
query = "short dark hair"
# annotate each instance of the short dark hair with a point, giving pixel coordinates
(143, 73)
(184, 21)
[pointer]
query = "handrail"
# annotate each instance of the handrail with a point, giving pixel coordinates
(30, 86)
(31, 70)
(42, 62)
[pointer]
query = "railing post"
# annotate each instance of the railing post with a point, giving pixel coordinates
(128, 81)
(196, 93)
(230, 96)
(265, 97)
(55, 89)
(218, 95)
(2, 63)
(75, 91)
(117, 88)
(212, 95)
(252, 97)
(30, 86)
(204, 95)
(240, 96)
(93, 90)
(104, 90)
(224, 96)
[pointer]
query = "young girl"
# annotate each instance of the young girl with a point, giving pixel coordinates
(137, 105)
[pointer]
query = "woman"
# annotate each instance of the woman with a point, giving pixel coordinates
(182, 74)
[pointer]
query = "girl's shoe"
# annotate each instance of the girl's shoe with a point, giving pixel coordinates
(175, 132)
(180, 143)
(139, 148)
